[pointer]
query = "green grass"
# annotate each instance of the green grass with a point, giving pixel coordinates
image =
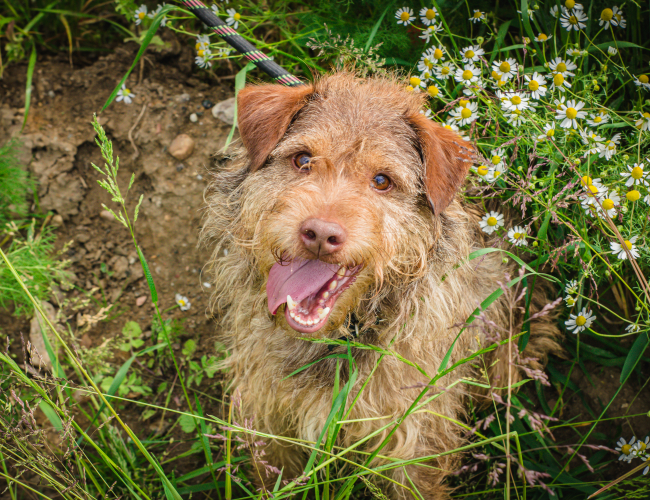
(546, 180)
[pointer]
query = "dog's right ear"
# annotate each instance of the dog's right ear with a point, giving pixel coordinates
(264, 113)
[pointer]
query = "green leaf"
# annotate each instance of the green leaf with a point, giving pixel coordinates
(240, 82)
(615, 44)
(132, 329)
(51, 415)
(187, 423)
(503, 31)
(637, 350)
(28, 85)
(376, 27)
(147, 273)
(189, 347)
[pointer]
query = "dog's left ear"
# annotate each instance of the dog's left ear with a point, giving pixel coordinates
(447, 160)
(264, 113)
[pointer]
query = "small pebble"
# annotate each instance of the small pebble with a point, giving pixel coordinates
(194, 118)
(207, 104)
(180, 167)
(207, 285)
(199, 177)
(181, 147)
(51, 94)
(140, 300)
(106, 214)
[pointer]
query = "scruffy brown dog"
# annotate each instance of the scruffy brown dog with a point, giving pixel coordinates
(342, 204)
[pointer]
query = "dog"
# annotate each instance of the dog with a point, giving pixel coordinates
(340, 215)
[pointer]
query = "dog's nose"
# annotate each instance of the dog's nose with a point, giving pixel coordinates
(322, 237)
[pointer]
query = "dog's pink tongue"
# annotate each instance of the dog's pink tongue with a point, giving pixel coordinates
(299, 278)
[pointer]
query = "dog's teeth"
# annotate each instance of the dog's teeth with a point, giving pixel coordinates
(341, 271)
(326, 311)
(309, 322)
(291, 303)
(333, 285)
(292, 314)
(325, 295)
(319, 311)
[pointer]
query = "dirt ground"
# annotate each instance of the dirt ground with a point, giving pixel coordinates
(59, 148)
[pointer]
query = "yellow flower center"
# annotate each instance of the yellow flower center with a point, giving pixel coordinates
(415, 81)
(644, 79)
(492, 221)
(517, 236)
(542, 37)
(237, 16)
(570, 4)
(197, 46)
(126, 92)
(581, 320)
(433, 90)
(625, 449)
(445, 70)
(592, 191)
(598, 119)
(558, 80)
(437, 54)
(515, 99)
(466, 113)
(404, 16)
(586, 180)
(628, 244)
(431, 14)
(633, 195)
(607, 14)
(463, 102)
(428, 63)
(533, 85)
(201, 52)
(496, 159)
(608, 204)
(497, 173)
(570, 301)
(642, 446)
(504, 67)
(571, 113)
(550, 132)
(573, 20)
(469, 54)
(409, 88)
(478, 14)
(141, 15)
(561, 67)
(181, 302)
(482, 170)
(646, 115)
(501, 82)
(467, 74)
(637, 172)
(496, 75)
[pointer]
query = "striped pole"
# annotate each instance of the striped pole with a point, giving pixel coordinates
(261, 60)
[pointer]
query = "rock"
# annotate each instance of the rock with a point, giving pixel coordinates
(225, 111)
(194, 118)
(140, 300)
(106, 214)
(38, 354)
(82, 237)
(182, 98)
(120, 267)
(86, 341)
(57, 221)
(206, 103)
(181, 147)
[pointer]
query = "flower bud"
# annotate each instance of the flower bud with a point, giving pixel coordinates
(480, 40)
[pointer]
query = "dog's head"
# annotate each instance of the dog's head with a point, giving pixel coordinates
(345, 179)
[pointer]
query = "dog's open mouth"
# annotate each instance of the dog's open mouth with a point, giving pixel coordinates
(310, 289)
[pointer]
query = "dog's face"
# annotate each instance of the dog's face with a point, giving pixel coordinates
(345, 179)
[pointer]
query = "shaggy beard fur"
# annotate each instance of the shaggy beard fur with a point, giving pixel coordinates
(413, 296)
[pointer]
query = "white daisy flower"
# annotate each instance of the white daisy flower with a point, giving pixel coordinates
(570, 301)
(641, 446)
(606, 18)
(430, 30)
(433, 90)
(443, 71)
(562, 66)
(549, 133)
(516, 117)
(125, 95)
(433, 55)
(542, 37)
(428, 15)
(202, 60)
(482, 171)
(591, 138)
(464, 115)
(589, 195)
(497, 157)
(140, 14)
(643, 123)
(609, 202)
(152, 14)
(576, 53)
(404, 16)
(560, 83)
(515, 100)
(183, 302)
(619, 251)
(495, 172)
(570, 113)
(202, 42)
(598, 119)
(491, 222)
(633, 329)
(618, 19)
(572, 4)
(517, 236)
(536, 85)
(471, 53)
(581, 321)
(233, 18)
(426, 113)
(625, 449)
(573, 20)
(555, 12)
(608, 148)
(642, 81)
(506, 69)
(477, 17)
(468, 74)
(571, 287)
(612, 51)
(417, 83)
(635, 175)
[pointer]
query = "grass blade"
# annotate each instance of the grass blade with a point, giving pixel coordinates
(28, 85)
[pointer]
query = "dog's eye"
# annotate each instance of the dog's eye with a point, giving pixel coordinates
(381, 182)
(301, 161)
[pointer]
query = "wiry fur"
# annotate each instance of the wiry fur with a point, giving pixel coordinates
(416, 285)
